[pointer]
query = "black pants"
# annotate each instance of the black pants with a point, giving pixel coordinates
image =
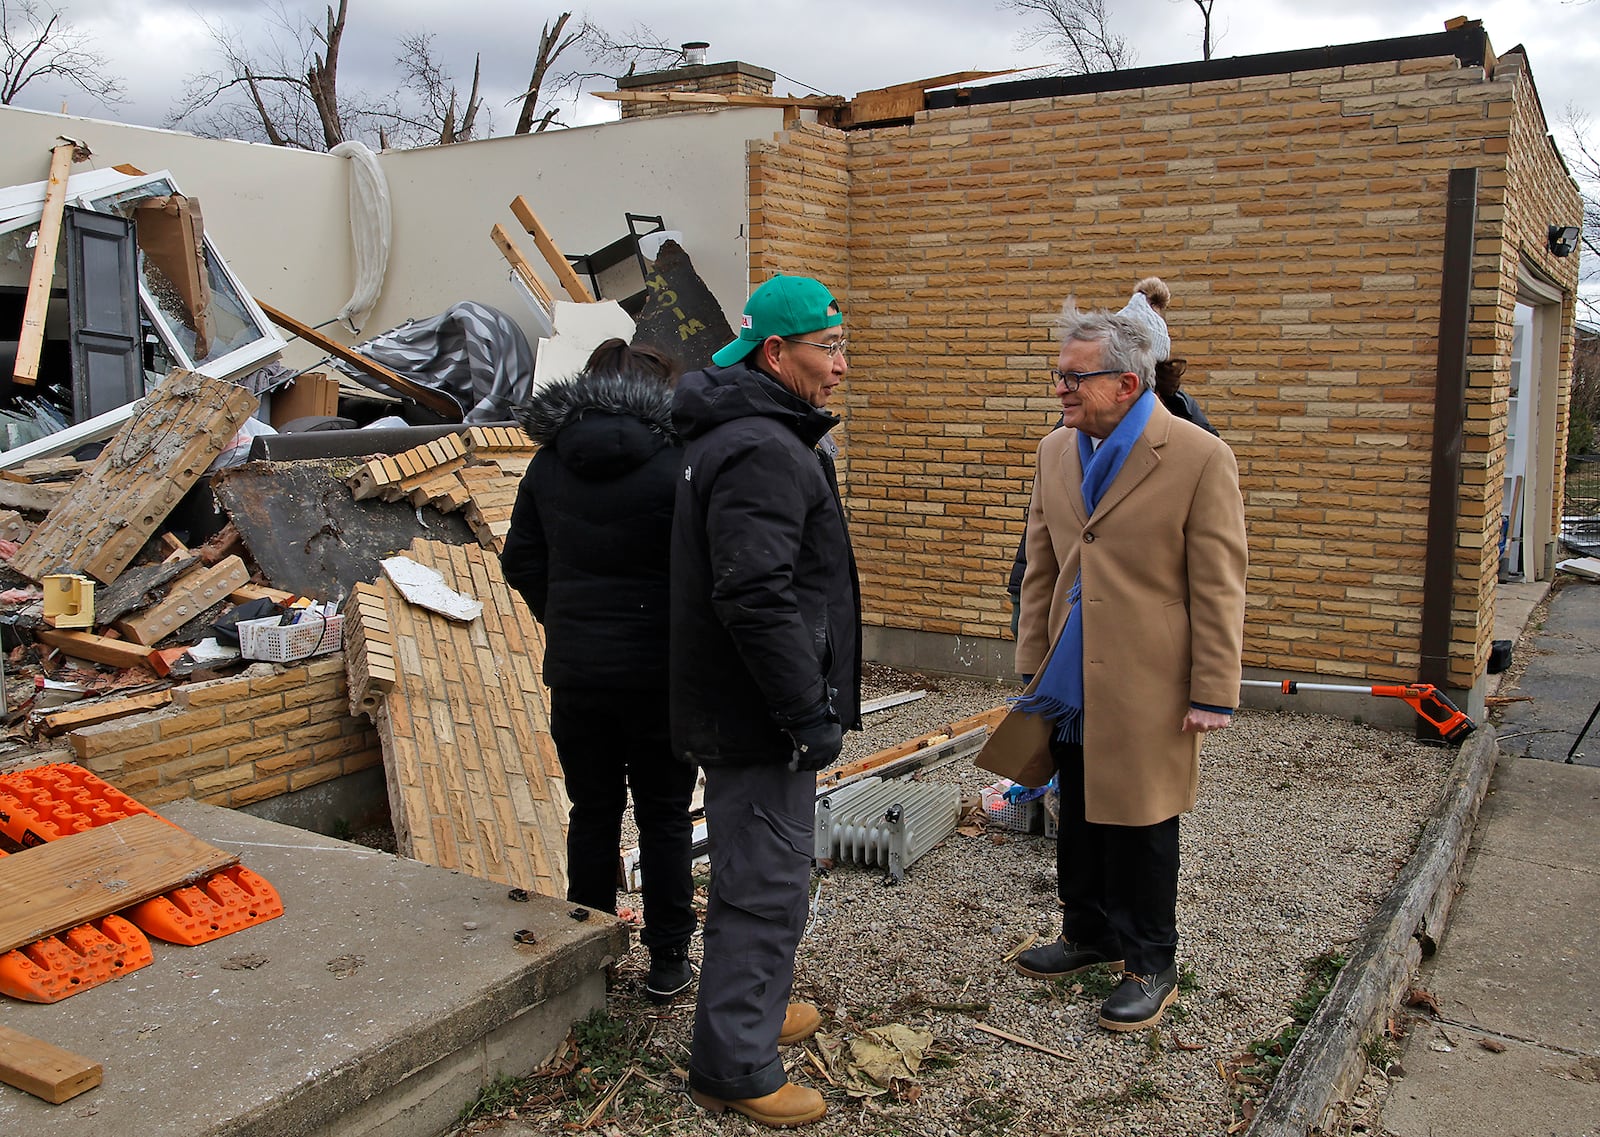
(1118, 883)
(610, 742)
(760, 821)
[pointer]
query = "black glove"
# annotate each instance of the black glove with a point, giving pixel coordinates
(816, 746)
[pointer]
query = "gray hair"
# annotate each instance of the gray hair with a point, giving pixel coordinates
(1125, 344)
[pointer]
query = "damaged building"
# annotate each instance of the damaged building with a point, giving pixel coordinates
(260, 376)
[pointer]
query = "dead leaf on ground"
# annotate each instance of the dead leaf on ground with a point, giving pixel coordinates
(1492, 1045)
(1422, 997)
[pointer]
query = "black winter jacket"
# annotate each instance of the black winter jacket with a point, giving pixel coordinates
(766, 607)
(590, 532)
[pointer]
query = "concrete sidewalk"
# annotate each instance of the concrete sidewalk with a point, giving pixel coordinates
(1515, 1048)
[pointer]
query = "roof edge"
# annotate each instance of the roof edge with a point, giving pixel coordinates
(1468, 43)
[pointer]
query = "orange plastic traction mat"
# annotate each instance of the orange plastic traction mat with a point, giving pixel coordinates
(50, 969)
(48, 802)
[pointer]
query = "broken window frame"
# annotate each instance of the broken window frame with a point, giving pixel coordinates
(267, 342)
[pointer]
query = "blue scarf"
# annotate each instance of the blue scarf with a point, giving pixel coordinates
(1058, 695)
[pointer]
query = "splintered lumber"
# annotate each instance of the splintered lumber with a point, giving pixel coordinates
(63, 883)
(36, 497)
(433, 400)
(59, 722)
(368, 648)
(559, 264)
(519, 265)
(62, 468)
(142, 473)
(474, 784)
(31, 341)
(44, 1070)
(189, 596)
(394, 477)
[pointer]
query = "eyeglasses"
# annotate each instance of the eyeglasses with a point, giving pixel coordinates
(1070, 381)
(834, 348)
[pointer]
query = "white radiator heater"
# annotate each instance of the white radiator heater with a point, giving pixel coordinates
(885, 822)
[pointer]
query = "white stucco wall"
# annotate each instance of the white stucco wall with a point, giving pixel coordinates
(281, 217)
(688, 168)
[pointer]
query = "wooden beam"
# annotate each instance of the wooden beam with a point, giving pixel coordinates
(31, 342)
(247, 592)
(552, 254)
(69, 881)
(519, 265)
(35, 497)
(433, 400)
(190, 595)
(96, 649)
(43, 1070)
(59, 722)
(707, 98)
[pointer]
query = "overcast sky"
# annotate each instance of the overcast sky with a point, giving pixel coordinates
(836, 48)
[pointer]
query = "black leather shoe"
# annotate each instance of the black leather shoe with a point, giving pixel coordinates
(1139, 1000)
(670, 972)
(1062, 958)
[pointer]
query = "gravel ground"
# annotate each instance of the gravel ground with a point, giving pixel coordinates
(1302, 825)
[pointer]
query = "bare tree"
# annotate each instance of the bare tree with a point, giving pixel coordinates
(1205, 7)
(604, 54)
(442, 116)
(37, 43)
(1584, 161)
(283, 91)
(1077, 32)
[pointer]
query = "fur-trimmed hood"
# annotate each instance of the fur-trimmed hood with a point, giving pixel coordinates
(557, 404)
(601, 426)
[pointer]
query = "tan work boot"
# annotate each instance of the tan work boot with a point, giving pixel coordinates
(783, 1108)
(800, 1022)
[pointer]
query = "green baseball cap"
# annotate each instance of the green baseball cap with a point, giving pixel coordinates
(783, 306)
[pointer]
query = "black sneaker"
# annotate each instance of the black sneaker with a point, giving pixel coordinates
(1139, 1000)
(1062, 957)
(670, 973)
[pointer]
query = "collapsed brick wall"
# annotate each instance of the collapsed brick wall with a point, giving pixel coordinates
(235, 741)
(1299, 219)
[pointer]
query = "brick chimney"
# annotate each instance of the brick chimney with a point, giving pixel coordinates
(698, 76)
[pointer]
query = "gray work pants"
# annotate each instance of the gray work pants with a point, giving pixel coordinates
(759, 820)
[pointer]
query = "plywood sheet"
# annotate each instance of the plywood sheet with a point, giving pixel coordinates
(61, 884)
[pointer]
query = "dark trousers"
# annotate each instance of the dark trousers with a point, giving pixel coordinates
(1118, 883)
(760, 821)
(610, 742)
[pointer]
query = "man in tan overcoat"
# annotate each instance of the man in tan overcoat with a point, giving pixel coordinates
(1132, 623)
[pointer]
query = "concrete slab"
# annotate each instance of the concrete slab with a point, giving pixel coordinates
(1563, 675)
(1535, 1090)
(387, 994)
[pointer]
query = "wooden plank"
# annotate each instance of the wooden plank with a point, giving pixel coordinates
(44, 1070)
(61, 884)
(558, 263)
(62, 468)
(190, 595)
(247, 592)
(433, 400)
(519, 265)
(96, 649)
(31, 341)
(59, 722)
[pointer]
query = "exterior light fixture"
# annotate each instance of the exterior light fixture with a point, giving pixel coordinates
(1562, 239)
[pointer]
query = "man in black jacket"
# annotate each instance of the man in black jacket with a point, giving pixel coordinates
(766, 673)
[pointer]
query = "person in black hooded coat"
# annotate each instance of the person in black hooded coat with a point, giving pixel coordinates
(588, 549)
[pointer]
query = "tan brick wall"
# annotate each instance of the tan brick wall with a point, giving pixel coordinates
(235, 741)
(1299, 219)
